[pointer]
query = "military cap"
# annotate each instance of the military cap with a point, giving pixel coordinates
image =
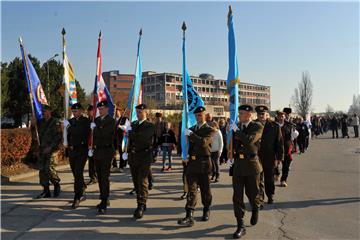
(102, 103)
(141, 106)
(158, 114)
(90, 107)
(261, 109)
(246, 107)
(287, 110)
(199, 109)
(46, 107)
(280, 112)
(76, 106)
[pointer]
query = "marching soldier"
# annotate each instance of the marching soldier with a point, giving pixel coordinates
(78, 129)
(198, 167)
(140, 149)
(271, 151)
(50, 138)
(246, 168)
(103, 145)
(91, 165)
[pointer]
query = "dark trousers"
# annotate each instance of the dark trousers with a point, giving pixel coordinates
(194, 180)
(185, 185)
(215, 163)
(285, 168)
(140, 174)
(77, 165)
(251, 186)
(123, 162)
(301, 143)
(335, 131)
(267, 184)
(92, 170)
(356, 131)
(103, 166)
(224, 157)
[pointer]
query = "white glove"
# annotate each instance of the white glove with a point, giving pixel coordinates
(122, 127)
(294, 134)
(187, 132)
(90, 153)
(92, 125)
(125, 156)
(66, 123)
(230, 162)
(234, 127)
(128, 128)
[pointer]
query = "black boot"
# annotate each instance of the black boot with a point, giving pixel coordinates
(107, 203)
(217, 177)
(45, 194)
(57, 189)
(240, 231)
(270, 200)
(102, 207)
(206, 214)
(188, 221)
(76, 203)
(212, 177)
(254, 216)
(139, 211)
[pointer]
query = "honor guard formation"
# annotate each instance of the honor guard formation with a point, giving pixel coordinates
(258, 148)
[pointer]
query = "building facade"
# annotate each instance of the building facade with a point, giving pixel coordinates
(163, 90)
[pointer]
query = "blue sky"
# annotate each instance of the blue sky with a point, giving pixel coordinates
(276, 41)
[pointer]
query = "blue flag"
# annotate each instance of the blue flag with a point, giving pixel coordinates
(135, 89)
(233, 78)
(191, 101)
(34, 84)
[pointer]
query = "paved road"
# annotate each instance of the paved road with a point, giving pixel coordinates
(321, 202)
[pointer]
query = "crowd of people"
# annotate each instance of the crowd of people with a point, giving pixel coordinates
(254, 150)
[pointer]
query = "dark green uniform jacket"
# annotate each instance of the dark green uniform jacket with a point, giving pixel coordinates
(78, 133)
(104, 134)
(246, 147)
(141, 139)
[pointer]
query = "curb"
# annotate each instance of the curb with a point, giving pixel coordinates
(32, 173)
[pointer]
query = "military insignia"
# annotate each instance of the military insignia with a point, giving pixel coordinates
(41, 95)
(241, 156)
(193, 158)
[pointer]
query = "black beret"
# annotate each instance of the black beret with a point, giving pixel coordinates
(287, 110)
(141, 106)
(199, 109)
(46, 107)
(158, 114)
(261, 109)
(90, 108)
(102, 103)
(76, 106)
(246, 107)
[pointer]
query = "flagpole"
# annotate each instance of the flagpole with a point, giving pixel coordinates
(133, 94)
(183, 27)
(230, 145)
(31, 88)
(66, 97)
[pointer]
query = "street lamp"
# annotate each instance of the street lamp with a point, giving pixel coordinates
(48, 77)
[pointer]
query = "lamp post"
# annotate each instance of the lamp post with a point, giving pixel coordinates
(48, 75)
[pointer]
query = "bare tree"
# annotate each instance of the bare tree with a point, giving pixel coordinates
(303, 95)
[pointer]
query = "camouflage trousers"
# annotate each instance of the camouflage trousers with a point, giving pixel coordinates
(47, 172)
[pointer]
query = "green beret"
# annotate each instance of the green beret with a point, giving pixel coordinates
(200, 109)
(102, 103)
(141, 106)
(261, 109)
(76, 106)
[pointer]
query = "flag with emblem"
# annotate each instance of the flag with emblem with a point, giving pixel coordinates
(191, 101)
(101, 92)
(35, 89)
(233, 78)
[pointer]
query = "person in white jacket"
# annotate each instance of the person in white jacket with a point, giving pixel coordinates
(216, 149)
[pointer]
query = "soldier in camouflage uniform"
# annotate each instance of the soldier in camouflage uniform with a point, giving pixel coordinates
(50, 137)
